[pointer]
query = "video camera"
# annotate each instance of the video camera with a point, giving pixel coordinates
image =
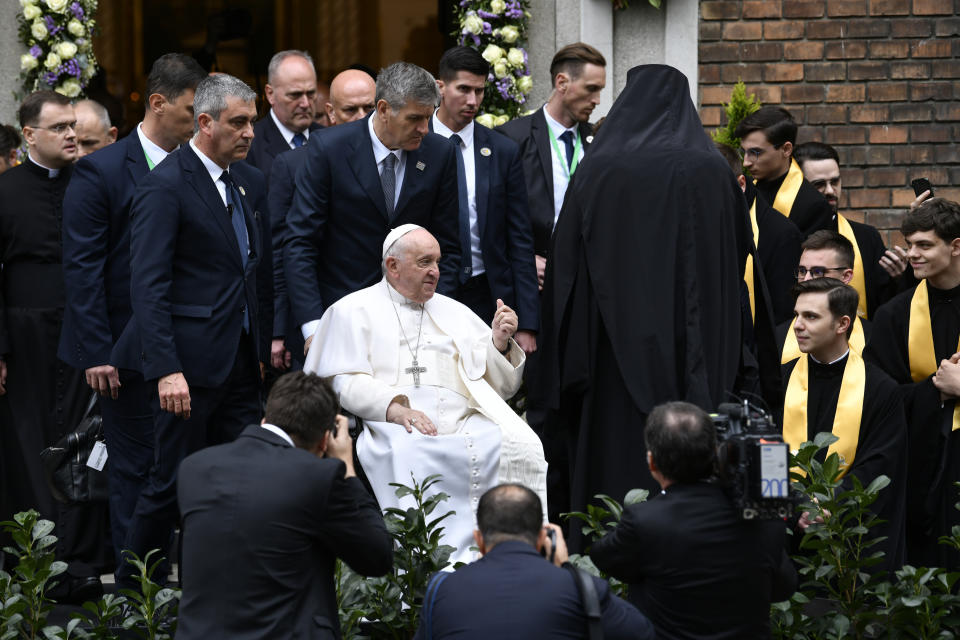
(753, 462)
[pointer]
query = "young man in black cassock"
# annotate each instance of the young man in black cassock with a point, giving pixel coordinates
(915, 341)
(829, 388)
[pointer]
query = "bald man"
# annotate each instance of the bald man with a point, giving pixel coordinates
(94, 130)
(352, 95)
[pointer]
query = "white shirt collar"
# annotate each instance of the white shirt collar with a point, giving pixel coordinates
(287, 133)
(153, 151)
(380, 150)
(212, 167)
(274, 429)
(52, 173)
(558, 128)
(466, 134)
(832, 361)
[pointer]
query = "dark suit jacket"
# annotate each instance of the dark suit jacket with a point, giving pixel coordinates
(188, 286)
(268, 143)
(695, 568)
(338, 220)
(531, 133)
(96, 251)
(262, 525)
(506, 238)
(512, 592)
(283, 185)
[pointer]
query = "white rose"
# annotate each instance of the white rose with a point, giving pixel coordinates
(515, 57)
(486, 120)
(524, 84)
(499, 120)
(38, 30)
(32, 12)
(497, 6)
(473, 23)
(52, 61)
(75, 27)
(24, 3)
(509, 34)
(69, 87)
(492, 53)
(28, 62)
(500, 69)
(57, 6)
(66, 49)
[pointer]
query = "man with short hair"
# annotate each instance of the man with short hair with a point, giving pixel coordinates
(94, 130)
(829, 388)
(429, 379)
(96, 271)
(915, 341)
(201, 292)
(496, 242)
(291, 91)
(352, 96)
(767, 138)
(512, 591)
(319, 105)
(266, 516)
(9, 144)
(358, 181)
(695, 567)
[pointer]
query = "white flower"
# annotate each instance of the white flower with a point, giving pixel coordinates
(500, 69)
(515, 57)
(473, 23)
(52, 61)
(24, 3)
(32, 12)
(69, 87)
(65, 49)
(497, 6)
(75, 27)
(492, 53)
(38, 30)
(509, 34)
(57, 6)
(525, 84)
(486, 120)
(499, 120)
(28, 62)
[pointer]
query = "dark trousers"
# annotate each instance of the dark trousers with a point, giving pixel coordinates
(217, 415)
(475, 293)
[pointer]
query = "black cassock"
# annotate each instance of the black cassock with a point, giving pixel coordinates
(810, 212)
(779, 252)
(933, 447)
(642, 293)
(45, 398)
(881, 443)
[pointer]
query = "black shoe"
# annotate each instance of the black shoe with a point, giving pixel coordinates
(73, 590)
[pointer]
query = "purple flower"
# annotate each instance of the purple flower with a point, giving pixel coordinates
(36, 51)
(487, 14)
(476, 40)
(71, 67)
(514, 9)
(52, 26)
(77, 10)
(486, 27)
(51, 78)
(464, 3)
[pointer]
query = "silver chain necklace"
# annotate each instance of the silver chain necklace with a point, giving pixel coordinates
(415, 367)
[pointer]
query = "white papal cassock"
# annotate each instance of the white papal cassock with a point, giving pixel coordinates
(481, 442)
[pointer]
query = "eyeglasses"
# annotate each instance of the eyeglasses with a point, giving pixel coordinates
(755, 152)
(60, 128)
(815, 272)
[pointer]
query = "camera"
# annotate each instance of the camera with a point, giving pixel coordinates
(752, 460)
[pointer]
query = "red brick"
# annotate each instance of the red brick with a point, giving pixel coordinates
(709, 73)
(768, 94)
(932, 49)
(810, 134)
(803, 50)
(742, 31)
(710, 31)
(911, 113)
(832, 114)
(886, 134)
(944, 154)
(920, 91)
(946, 69)
(845, 93)
(720, 10)
(761, 51)
(889, 49)
(929, 133)
(840, 8)
(936, 176)
(866, 70)
(877, 155)
(852, 156)
(783, 30)
(869, 28)
(913, 154)
(886, 176)
(885, 219)
(802, 8)
(803, 93)
(714, 95)
(846, 135)
(719, 51)
(947, 27)
(869, 113)
(824, 71)
(826, 29)
(888, 91)
(783, 72)
(867, 198)
(909, 70)
(734, 73)
(911, 28)
(852, 177)
(932, 7)
(947, 111)
(889, 7)
(711, 116)
(761, 9)
(845, 50)
(902, 199)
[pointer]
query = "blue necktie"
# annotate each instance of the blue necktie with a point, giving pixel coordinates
(567, 137)
(466, 251)
(235, 210)
(388, 180)
(299, 140)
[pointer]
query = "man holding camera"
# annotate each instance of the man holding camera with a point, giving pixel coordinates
(511, 592)
(687, 550)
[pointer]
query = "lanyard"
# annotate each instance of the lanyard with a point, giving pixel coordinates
(562, 155)
(150, 164)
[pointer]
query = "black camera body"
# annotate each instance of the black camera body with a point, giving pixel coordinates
(752, 461)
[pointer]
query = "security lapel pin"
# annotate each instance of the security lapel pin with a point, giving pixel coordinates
(484, 151)
(589, 139)
(421, 166)
(242, 192)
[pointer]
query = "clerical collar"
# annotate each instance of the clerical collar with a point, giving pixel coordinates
(845, 354)
(380, 150)
(274, 429)
(153, 151)
(466, 134)
(398, 297)
(51, 173)
(287, 133)
(558, 128)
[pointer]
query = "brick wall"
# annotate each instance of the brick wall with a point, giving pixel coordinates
(877, 79)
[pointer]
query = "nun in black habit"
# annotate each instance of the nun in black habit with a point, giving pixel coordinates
(642, 294)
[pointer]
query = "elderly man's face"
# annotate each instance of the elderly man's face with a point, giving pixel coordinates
(416, 272)
(352, 97)
(91, 132)
(404, 128)
(292, 93)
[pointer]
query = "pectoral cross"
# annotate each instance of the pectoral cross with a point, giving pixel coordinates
(416, 370)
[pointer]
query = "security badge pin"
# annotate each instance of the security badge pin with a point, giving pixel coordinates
(421, 166)
(484, 151)
(589, 139)
(242, 192)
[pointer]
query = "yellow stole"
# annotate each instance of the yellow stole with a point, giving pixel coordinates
(748, 270)
(846, 420)
(791, 350)
(846, 230)
(923, 359)
(789, 189)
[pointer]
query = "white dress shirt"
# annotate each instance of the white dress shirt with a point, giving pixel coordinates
(215, 171)
(286, 133)
(380, 153)
(274, 429)
(154, 152)
(560, 179)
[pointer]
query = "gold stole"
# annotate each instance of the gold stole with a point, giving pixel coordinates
(789, 189)
(845, 229)
(748, 270)
(791, 350)
(846, 420)
(923, 359)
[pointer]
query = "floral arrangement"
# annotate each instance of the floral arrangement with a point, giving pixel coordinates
(58, 35)
(497, 29)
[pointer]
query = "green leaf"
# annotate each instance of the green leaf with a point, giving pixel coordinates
(636, 496)
(880, 482)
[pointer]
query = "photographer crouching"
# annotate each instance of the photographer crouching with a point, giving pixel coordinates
(695, 567)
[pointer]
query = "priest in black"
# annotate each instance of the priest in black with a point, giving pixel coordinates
(915, 340)
(642, 301)
(829, 388)
(767, 138)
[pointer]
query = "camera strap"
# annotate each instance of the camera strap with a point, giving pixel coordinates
(589, 599)
(430, 598)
